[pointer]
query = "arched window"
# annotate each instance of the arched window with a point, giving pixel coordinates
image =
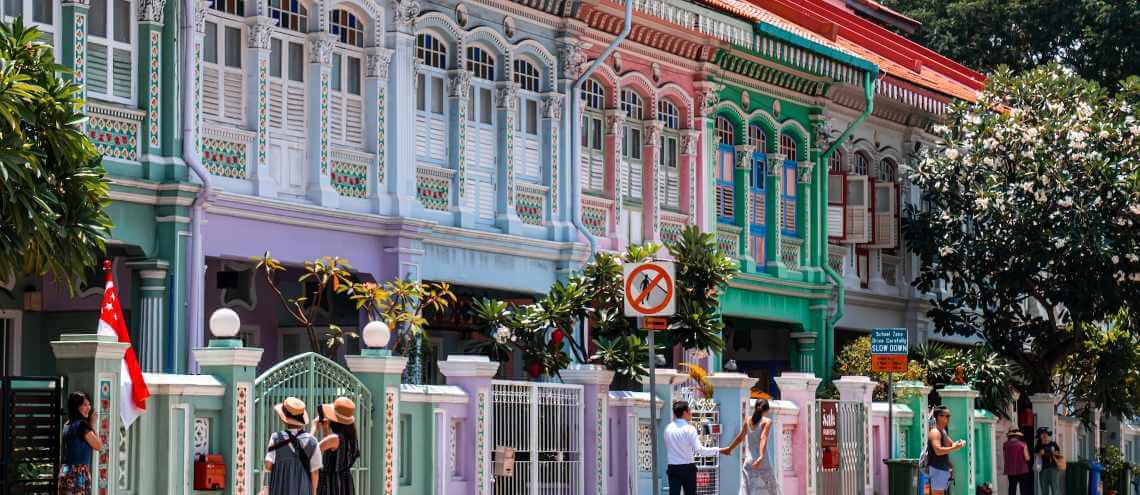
(481, 147)
(431, 82)
(289, 14)
(110, 49)
(527, 122)
(347, 102)
(287, 67)
(835, 162)
(668, 154)
(885, 198)
(757, 228)
(725, 131)
(634, 109)
(788, 146)
(223, 76)
(862, 164)
(888, 170)
(757, 137)
(593, 136)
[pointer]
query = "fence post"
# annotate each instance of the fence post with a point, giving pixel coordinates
(732, 391)
(986, 452)
(473, 374)
(861, 389)
(380, 373)
(595, 381)
(799, 389)
(91, 364)
(235, 367)
(917, 397)
(960, 400)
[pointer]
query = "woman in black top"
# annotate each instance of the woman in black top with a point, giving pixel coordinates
(337, 425)
(1047, 453)
(939, 447)
(79, 441)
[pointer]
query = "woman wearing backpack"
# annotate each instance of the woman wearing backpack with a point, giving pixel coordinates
(337, 426)
(293, 459)
(939, 447)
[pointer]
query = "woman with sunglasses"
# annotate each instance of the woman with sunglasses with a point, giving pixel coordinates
(940, 447)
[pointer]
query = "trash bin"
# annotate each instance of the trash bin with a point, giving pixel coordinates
(1095, 488)
(1077, 478)
(1125, 487)
(902, 476)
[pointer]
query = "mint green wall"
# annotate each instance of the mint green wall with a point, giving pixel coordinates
(417, 466)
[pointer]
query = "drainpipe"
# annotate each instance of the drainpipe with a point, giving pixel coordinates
(576, 130)
(193, 159)
(870, 80)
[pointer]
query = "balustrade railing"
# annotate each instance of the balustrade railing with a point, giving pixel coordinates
(530, 203)
(433, 187)
(596, 214)
(790, 252)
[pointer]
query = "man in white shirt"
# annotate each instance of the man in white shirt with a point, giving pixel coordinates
(682, 444)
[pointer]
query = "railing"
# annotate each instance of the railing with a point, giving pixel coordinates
(225, 151)
(728, 239)
(889, 268)
(348, 172)
(790, 252)
(837, 258)
(671, 226)
(712, 24)
(596, 214)
(530, 203)
(433, 187)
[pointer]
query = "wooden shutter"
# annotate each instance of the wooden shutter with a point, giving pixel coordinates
(858, 226)
(836, 205)
(885, 223)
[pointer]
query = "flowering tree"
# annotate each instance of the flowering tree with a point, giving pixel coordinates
(1029, 232)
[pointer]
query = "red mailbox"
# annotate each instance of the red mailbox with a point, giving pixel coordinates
(209, 472)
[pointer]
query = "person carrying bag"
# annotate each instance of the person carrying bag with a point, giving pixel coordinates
(293, 458)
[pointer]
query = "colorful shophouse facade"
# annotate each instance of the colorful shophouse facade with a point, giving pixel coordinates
(126, 56)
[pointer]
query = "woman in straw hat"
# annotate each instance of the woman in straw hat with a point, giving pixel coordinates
(293, 459)
(337, 425)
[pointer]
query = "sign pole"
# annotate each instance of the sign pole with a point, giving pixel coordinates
(890, 415)
(653, 409)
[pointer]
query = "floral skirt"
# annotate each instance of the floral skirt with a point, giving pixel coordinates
(75, 479)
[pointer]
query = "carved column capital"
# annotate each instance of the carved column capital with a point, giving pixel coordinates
(615, 121)
(775, 164)
(744, 156)
(803, 172)
(508, 95)
(202, 7)
(572, 56)
(151, 11)
(76, 3)
(653, 133)
(689, 140)
(260, 27)
(404, 14)
(459, 84)
(552, 106)
(321, 48)
(708, 95)
(376, 62)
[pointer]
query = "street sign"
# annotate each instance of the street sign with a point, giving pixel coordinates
(649, 289)
(889, 349)
(654, 323)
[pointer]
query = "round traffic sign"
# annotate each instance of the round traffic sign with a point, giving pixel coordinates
(653, 290)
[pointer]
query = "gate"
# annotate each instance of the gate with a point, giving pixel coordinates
(543, 423)
(31, 416)
(316, 380)
(706, 419)
(841, 437)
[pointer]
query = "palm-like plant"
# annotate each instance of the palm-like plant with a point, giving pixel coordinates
(52, 187)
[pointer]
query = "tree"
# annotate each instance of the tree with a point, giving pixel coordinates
(52, 187)
(1104, 373)
(1097, 38)
(1029, 230)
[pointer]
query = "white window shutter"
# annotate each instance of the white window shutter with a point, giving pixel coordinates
(97, 68)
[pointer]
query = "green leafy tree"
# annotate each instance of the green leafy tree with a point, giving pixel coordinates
(1030, 225)
(854, 359)
(1104, 373)
(52, 187)
(1097, 38)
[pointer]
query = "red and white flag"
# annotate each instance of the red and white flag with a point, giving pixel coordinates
(133, 392)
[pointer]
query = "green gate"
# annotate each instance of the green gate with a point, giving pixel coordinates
(316, 380)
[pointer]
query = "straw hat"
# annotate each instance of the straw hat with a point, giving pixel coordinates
(1014, 433)
(342, 411)
(292, 412)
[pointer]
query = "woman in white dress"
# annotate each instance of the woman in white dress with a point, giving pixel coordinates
(758, 476)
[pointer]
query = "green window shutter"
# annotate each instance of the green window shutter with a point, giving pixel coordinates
(122, 72)
(97, 68)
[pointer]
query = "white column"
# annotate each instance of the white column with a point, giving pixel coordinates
(375, 90)
(319, 189)
(151, 312)
(257, 106)
(400, 177)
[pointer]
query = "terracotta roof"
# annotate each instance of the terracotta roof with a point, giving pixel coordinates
(893, 16)
(758, 13)
(893, 53)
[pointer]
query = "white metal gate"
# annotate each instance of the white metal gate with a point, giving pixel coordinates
(847, 421)
(706, 419)
(543, 423)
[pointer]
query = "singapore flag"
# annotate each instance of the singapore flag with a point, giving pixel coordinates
(133, 393)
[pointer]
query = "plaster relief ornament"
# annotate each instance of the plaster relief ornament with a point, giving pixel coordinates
(617, 62)
(151, 11)
(406, 12)
(656, 68)
(460, 84)
(260, 28)
(461, 16)
(803, 171)
(745, 100)
(508, 96)
(321, 48)
(202, 8)
(776, 108)
(509, 26)
(376, 63)
(552, 106)
(572, 55)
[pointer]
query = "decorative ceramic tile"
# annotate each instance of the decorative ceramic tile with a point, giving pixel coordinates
(349, 179)
(122, 460)
(644, 447)
(79, 51)
(152, 99)
(380, 111)
(452, 449)
(114, 138)
(224, 158)
(324, 119)
(389, 442)
(531, 207)
(671, 231)
(262, 108)
(600, 445)
(201, 436)
(103, 429)
(481, 445)
(241, 442)
(433, 191)
(554, 169)
(595, 219)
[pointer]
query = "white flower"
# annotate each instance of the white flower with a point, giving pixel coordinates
(1044, 179)
(1077, 136)
(1066, 203)
(1132, 257)
(503, 335)
(974, 119)
(945, 251)
(1135, 277)
(1080, 145)
(940, 129)
(1031, 133)
(1027, 153)
(1115, 259)
(1040, 196)
(1119, 275)
(1060, 243)
(988, 161)
(1135, 130)
(951, 153)
(1135, 209)
(1102, 134)
(982, 203)
(990, 143)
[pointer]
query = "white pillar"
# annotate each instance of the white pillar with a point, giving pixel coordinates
(861, 389)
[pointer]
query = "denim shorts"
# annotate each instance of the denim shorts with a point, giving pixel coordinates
(939, 479)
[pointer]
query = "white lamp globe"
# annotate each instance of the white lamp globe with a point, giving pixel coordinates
(376, 335)
(224, 323)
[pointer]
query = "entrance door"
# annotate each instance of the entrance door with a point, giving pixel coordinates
(31, 415)
(10, 342)
(840, 443)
